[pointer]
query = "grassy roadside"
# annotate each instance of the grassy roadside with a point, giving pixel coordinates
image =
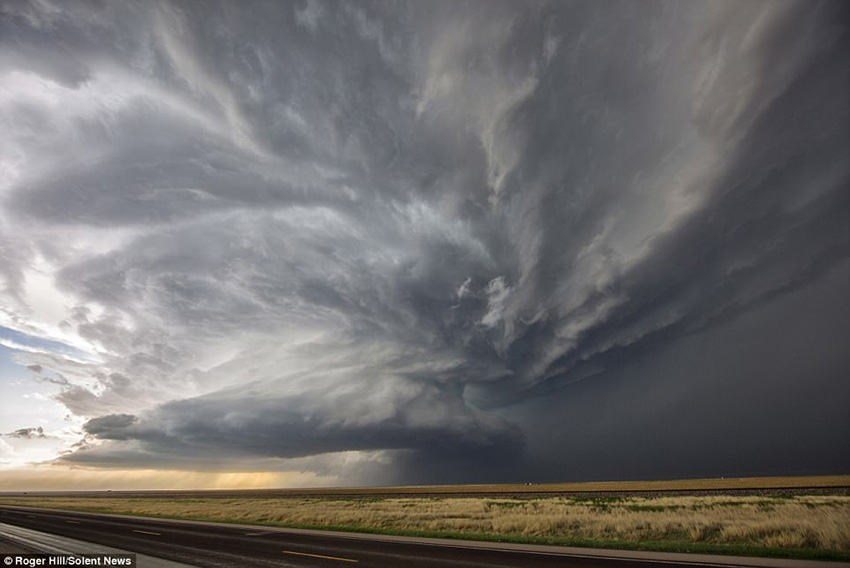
(662, 523)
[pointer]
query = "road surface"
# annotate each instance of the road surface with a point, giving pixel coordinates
(217, 545)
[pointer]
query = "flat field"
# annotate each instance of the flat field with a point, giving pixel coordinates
(778, 518)
(738, 485)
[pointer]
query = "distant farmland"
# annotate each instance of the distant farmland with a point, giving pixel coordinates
(798, 517)
(709, 485)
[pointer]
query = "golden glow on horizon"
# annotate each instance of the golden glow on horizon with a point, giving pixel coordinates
(59, 478)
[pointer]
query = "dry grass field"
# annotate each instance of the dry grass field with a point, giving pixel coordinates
(780, 522)
(708, 486)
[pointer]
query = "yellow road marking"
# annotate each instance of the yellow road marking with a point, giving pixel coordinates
(147, 532)
(320, 556)
(74, 522)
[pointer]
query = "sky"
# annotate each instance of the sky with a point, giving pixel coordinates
(256, 244)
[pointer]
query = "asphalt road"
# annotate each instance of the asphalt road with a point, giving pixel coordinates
(201, 544)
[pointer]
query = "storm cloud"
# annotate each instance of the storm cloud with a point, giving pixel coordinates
(436, 234)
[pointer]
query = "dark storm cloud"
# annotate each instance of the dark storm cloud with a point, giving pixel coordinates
(288, 230)
(252, 422)
(770, 400)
